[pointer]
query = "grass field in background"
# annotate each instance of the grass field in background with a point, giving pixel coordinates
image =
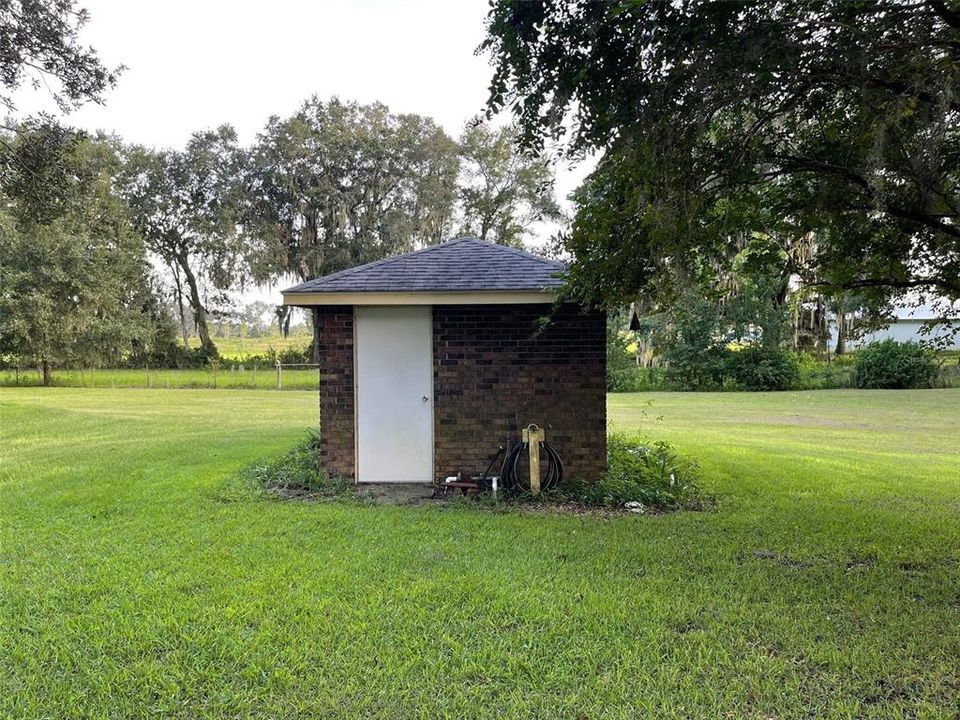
(138, 579)
(238, 348)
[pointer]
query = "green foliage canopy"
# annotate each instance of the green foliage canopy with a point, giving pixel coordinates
(339, 184)
(503, 191)
(186, 205)
(826, 117)
(40, 48)
(74, 290)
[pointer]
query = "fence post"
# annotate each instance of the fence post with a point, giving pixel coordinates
(279, 376)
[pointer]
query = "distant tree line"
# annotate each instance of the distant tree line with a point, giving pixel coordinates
(761, 166)
(110, 250)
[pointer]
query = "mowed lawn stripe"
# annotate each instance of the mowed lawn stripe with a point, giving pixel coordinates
(136, 579)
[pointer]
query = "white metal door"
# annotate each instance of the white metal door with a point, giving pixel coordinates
(394, 356)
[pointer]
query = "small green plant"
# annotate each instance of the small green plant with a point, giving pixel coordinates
(639, 471)
(893, 365)
(297, 472)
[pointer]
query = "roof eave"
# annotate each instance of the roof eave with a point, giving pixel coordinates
(462, 297)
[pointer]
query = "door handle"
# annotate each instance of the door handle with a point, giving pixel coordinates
(426, 399)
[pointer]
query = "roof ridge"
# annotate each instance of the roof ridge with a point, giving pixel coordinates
(495, 258)
(528, 254)
(346, 272)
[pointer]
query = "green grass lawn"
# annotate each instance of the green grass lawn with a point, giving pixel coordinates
(136, 580)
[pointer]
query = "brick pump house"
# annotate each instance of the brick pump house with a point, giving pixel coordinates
(431, 360)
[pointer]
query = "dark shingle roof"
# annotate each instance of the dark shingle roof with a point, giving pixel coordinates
(464, 264)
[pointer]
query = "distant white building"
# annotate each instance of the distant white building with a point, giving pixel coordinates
(906, 327)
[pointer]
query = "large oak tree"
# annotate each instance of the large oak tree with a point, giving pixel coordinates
(185, 204)
(828, 119)
(503, 191)
(74, 289)
(338, 184)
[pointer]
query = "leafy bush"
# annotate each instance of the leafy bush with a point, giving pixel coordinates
(287, 356)
(756, 367)
(623, 377)
(949, 376)
(296, 355)
(893, 365)
(632, 378)
(177, 356)
(817, 373)
(650, 473)
(695, 368)
(649, 379)
(168, 355)
(298, 472)
(717, 367)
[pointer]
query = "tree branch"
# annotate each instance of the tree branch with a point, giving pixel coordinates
(953, 288)
(949, 16)
(799, 164)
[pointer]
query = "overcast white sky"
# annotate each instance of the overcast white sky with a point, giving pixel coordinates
(195, 65)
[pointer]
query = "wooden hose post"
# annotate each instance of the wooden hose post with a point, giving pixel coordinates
(533, 435)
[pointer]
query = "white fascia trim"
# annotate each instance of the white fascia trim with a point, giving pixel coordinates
(418, 298)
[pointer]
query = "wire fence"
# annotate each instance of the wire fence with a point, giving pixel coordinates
(230, 376)
(280, 370)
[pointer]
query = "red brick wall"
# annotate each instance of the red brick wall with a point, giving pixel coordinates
(494, 374)
(336, 389)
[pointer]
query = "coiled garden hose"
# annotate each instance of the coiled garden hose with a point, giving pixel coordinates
(510, 475)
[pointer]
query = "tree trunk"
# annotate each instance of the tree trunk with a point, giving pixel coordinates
(183, 321)
(796, 327)
(485, 228)
(820, 324)
(199, 314)
(841, 331)
(47, 373)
